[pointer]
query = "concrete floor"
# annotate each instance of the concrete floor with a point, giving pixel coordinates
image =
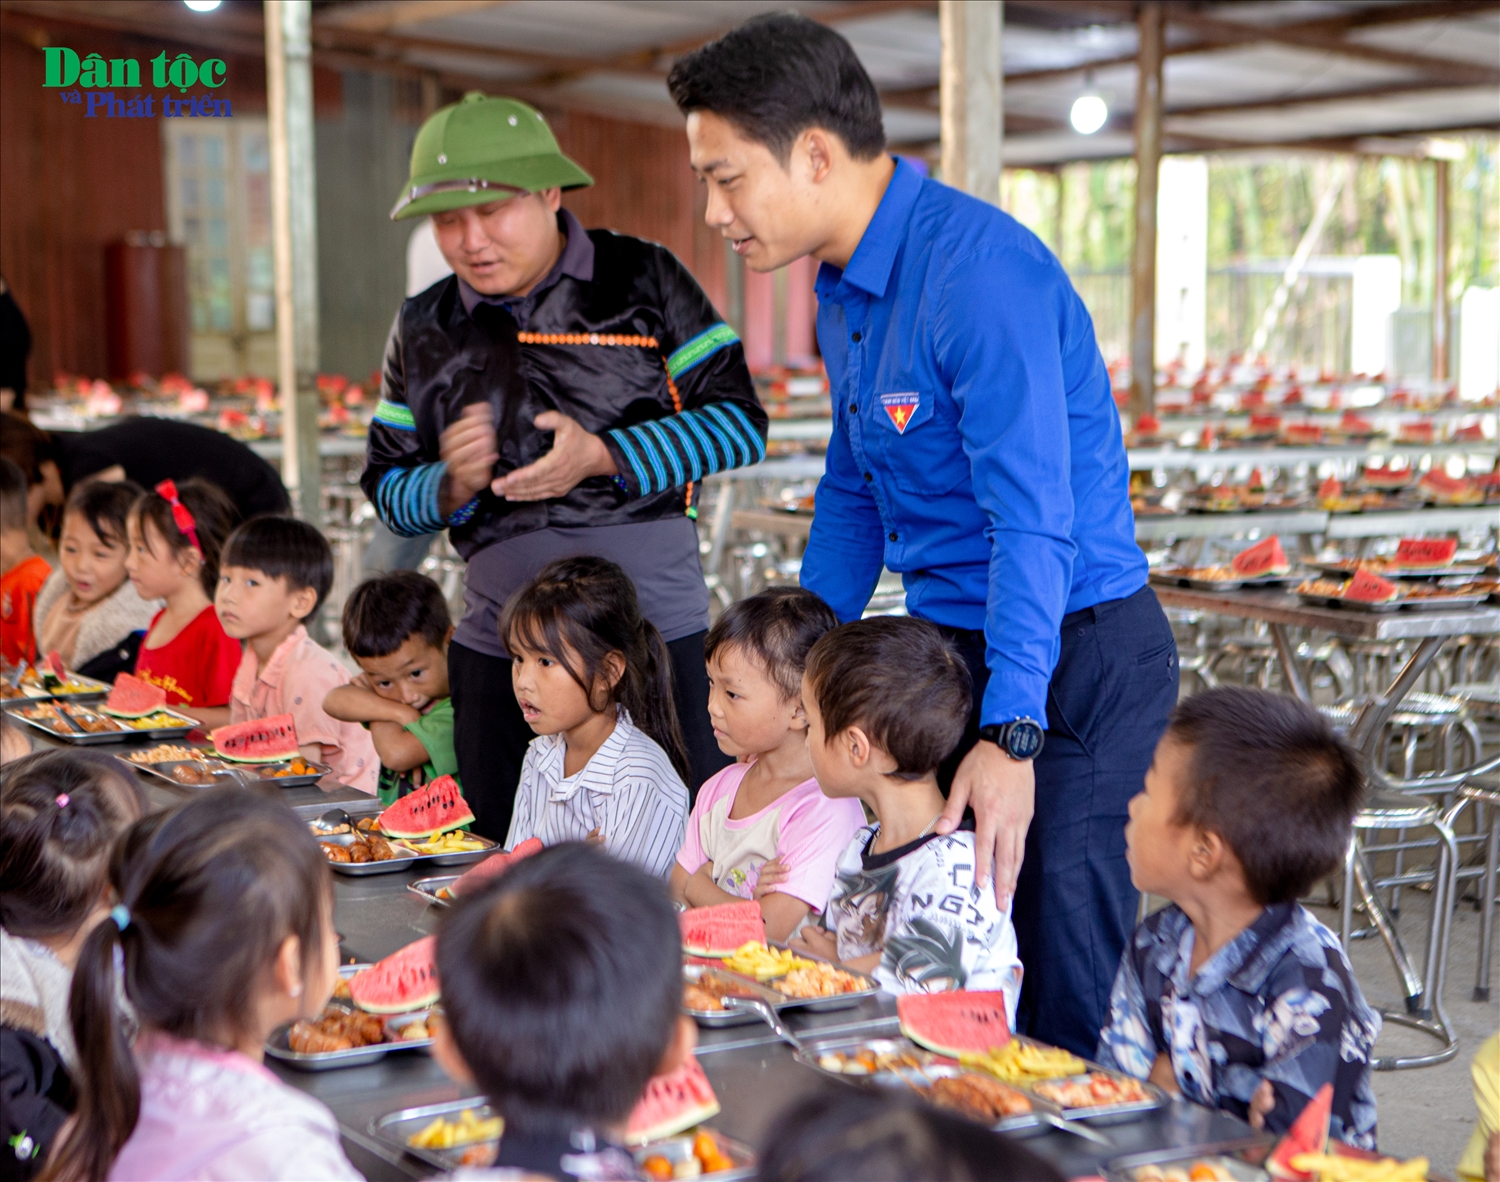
(1427, 1111)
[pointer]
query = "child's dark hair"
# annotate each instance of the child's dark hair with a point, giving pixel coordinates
(383, 611)
(26, 445)
(13, 513)
(1271, 776)
(896, 679)
(60, 813)
(214, 517)
(105, 505)
(210, 889)
(283, 548)
(778, 75)
(778, 627)
(588, 605)
(853, 1135)
(561, 984)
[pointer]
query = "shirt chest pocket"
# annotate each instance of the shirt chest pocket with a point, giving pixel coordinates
(919, 441)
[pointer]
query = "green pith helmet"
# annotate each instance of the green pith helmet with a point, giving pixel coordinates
(483, 149)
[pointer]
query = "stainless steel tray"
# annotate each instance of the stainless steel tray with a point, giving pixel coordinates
(692, 972)
(278, 1048)
(932, 1067)
(1351, 605)
(1222, 1154)
(394, 1128)
(391, 865)
(839, 1001)
(1174, 576)
(254, 773)
(427, 889)
(97, 738)
(35, 693)
(1100, 1113)
(1437, 603)
(1347, 569)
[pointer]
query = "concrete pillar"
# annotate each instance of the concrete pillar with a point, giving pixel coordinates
(1440, 243)
(294, 227)
(1148, 104)
(1182, 262)
(970, 89)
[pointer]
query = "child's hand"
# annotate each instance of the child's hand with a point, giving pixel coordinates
(816, 941)
(1261, 1103)
(772, 874)
(595, 837)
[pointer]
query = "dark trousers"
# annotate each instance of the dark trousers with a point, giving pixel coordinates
(1114, 685)
(490, 735)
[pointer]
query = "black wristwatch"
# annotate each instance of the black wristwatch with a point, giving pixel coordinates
(1021, 739)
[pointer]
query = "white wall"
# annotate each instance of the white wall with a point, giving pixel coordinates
(1479, 342)
(1377, 294)
(1182, 261)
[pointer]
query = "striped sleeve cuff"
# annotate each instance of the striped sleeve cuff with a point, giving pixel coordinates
(700, 349)
(396, 415)
(684, 448)
(407, 501)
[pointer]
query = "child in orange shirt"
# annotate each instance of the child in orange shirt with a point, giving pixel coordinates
(24, 571)
(175, 535)
(276, 572)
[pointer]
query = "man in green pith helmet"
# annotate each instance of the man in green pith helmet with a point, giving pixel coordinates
(563, 392)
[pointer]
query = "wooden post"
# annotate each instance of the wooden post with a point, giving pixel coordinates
(970, 96)
(1147, 163)
(1440, 233)
(294, 229)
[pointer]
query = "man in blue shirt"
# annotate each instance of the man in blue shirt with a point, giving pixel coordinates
(977, 451)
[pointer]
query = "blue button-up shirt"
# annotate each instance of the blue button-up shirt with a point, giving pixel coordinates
(976, 447)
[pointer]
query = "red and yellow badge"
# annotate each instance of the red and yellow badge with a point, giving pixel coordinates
(901, 408)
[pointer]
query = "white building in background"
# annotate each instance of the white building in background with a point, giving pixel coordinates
(1182, 262)
(1376, 294)
(1479, 342)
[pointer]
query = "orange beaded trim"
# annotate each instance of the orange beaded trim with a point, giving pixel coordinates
(586, 338)
(611, 338)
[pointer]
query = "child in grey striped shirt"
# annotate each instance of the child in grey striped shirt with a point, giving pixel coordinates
(594, 681)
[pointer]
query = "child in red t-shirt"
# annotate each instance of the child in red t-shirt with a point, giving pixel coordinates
(24, 571)
(175, 536)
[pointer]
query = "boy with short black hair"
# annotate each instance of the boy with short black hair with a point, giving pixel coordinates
(562, 983)
(274, 573)
(886, 701)
(397, 628)
(22, 572)
(1235, 996)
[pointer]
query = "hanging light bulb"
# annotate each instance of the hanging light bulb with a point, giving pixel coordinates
(1088, 114)
(202, 5)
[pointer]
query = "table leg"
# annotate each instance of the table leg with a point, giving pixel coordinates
(1365, 733)
(1287, 651)
(1411, 980)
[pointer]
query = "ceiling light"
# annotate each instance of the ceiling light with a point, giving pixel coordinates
(1088, 114)
(202, 5)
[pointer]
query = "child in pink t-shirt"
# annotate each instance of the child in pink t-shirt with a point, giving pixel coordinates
(762, 829)
(274, 573)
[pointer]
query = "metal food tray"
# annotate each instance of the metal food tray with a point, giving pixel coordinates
(1222, 1154)
(1174, 576)
(692, 972)
(818, 1005)
(278, 1048)
(1357, 605)
(1434, 603)
(254, 773)
(1098, 1113)
(933, 1067)
(98, 738)
(391, 865)
(95, 689)
(427, 889)
(1347, 569)
(394, 1128)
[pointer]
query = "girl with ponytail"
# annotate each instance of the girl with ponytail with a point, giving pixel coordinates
(224, 927)
(594, 681)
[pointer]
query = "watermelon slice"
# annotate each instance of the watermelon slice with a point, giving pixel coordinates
(1419, 552)
(133, 698)
(954, 1023)
(1308, 1134)
(405, 980)
(1304, 433)
(1330, 490)
(53, 664)
(720, 929)
(1379, 476)
(1367, 588)
(1262, 559)
(261, 740)
(494, 866)
(428, 811)
(671, 1104)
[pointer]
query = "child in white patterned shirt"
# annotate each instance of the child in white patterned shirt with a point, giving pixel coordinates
(594, 680)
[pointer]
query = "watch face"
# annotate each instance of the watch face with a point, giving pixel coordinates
(1024, 740)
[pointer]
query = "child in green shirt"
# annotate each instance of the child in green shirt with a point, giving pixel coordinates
(397, 628)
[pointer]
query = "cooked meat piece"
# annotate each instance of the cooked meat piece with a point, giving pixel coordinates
(306, 1039)
(359, 851)
(380, 849)
(335, 853)
(695, 997)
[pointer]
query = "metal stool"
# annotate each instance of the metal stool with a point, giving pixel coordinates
(1486, 798)
(1423, 993)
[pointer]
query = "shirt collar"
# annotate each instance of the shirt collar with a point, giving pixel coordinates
(576, 261)
(875, 256)
(275, 669)
(1244, 963)
(598, 775)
